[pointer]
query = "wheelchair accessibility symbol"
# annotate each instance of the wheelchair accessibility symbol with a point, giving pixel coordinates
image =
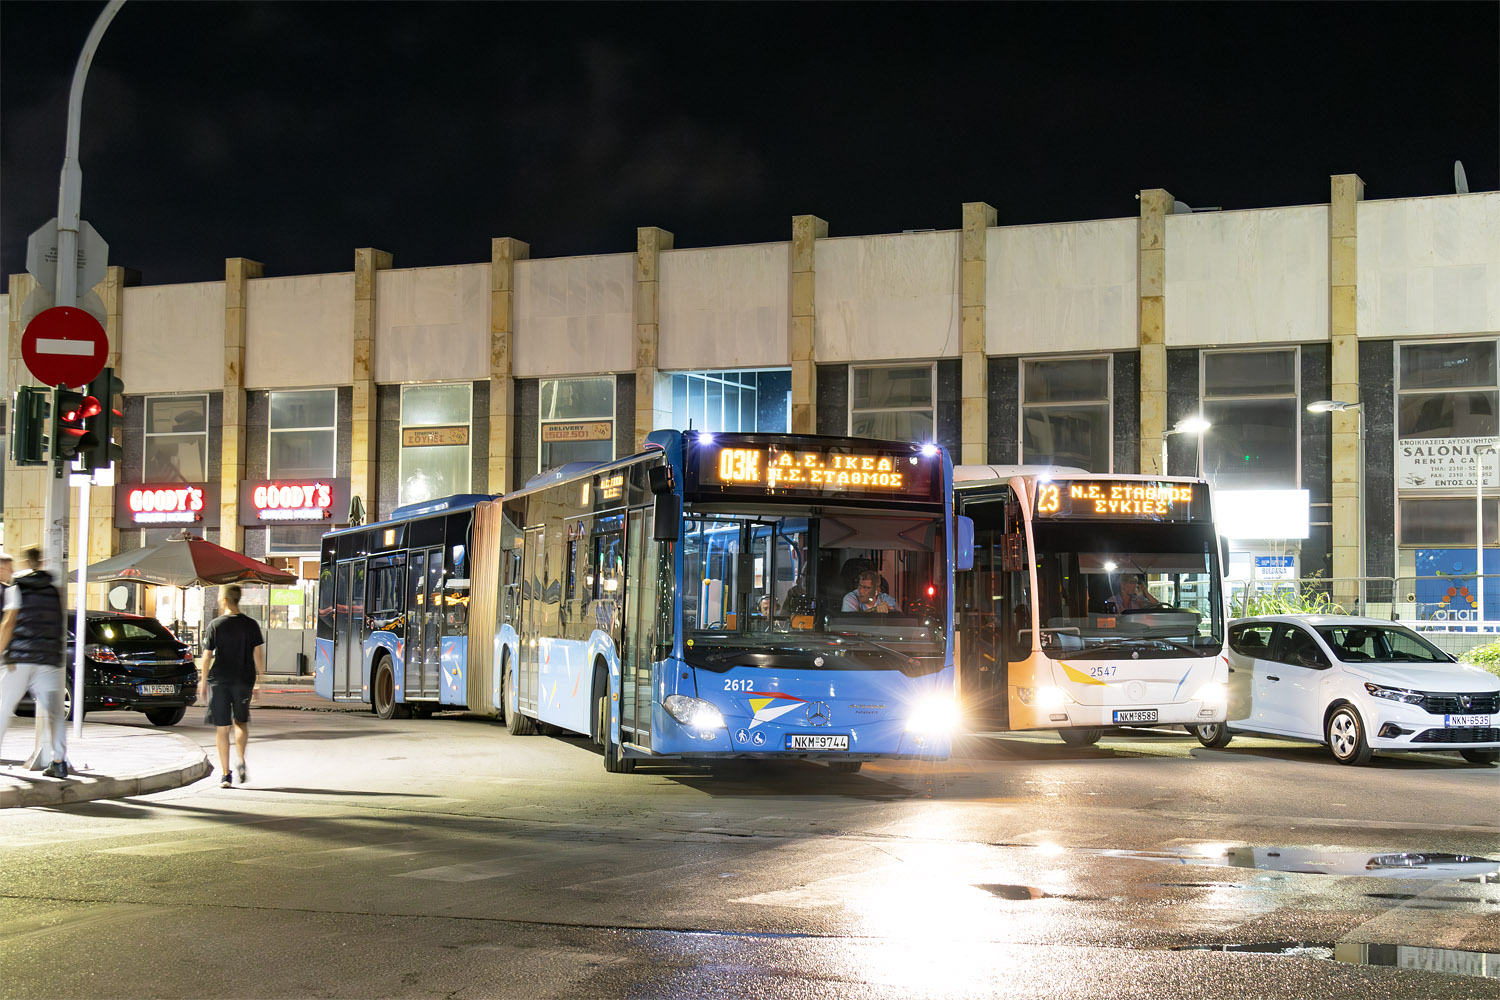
(759, 739)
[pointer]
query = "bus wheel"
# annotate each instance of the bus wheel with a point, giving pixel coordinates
(1215, 735)
(601, 708)
(516, 723)
(383, 691)
(844, 766)
(615, 762)
(1080, 737)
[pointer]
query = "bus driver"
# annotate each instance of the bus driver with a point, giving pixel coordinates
(868, 597)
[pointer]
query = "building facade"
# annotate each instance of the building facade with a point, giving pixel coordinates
(259, 406)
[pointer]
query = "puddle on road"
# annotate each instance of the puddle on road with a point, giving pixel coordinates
(1314, 861)
(1447, 961)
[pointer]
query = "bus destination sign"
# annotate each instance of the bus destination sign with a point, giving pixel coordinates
(1116, 499)
(815, 470)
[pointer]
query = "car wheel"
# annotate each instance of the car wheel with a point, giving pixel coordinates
(1215, 735)
(1481, 756)
(845, 766)
(166, 716)
(383, 691)
(1080, 737)
(1345, 733)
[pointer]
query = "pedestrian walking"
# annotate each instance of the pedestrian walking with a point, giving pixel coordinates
(234, 657)
(31, 635)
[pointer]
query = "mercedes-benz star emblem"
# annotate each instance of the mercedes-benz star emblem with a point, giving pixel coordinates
(817, 713)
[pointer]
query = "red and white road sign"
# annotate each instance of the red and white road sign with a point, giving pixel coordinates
(64, 346)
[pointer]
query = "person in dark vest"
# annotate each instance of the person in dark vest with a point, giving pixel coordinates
(31, 636)
(234, 657)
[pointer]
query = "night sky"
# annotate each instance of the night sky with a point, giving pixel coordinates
(292, 133)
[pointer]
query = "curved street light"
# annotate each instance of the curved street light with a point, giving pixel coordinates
(1188, 425)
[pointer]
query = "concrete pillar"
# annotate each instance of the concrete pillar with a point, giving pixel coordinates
(1156, 205)
(238, 272)
(1347, 191)
(802, 341)
(649, 244)
(362, 453)
(504, 253)
(974, 420)
(25, 485)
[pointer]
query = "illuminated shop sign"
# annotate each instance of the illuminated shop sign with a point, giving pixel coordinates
(149, 504)
(1124, 500)
(295, 501)
(791, 469)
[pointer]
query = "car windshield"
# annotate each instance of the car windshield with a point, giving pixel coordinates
(1111, 589)
(1380, 644)
(810, 580)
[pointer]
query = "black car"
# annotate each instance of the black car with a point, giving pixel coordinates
(132, 662)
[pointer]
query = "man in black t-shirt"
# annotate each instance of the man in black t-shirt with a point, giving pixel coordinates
(234, 657)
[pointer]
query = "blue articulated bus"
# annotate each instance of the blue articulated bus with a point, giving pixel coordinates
(731, 596)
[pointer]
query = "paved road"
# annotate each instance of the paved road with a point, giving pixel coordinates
(444, 857)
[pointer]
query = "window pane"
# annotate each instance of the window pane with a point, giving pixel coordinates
(303, 409)
(1075, 436)
(1448, 366)
(1067, 381)
(301, 454)
(176, 415)
(435, 405)
(577, 398)
(556, 453)
(173, 458)
(1447, 414)
(912, 425)
(1251, 445)
(1249, 373)
(428, 473)
(894, 386)
(1429, 523)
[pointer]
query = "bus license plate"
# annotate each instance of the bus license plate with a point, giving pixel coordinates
(818, 741)
(1467, 721)
(1136, 715)
(156, 689)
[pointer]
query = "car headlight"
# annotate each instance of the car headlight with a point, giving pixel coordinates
(1402, 695)
(1043, 697)
(694, 713)
(1214, 693)
(936, 715)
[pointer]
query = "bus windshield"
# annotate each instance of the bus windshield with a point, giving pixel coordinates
(1106, 589)
(815, 580)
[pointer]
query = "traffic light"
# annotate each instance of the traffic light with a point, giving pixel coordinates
(104, 422)
(70, 412)
(32, 408)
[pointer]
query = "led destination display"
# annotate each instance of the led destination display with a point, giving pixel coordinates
(814, 470)
(1126, 500)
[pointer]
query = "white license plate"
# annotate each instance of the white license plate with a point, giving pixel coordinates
(1467, 721)
(820, 741)
(1136, 715)
(156, 689)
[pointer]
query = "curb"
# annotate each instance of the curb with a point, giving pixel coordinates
(86, 788)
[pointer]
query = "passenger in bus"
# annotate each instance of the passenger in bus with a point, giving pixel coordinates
(868, 596)
(1133, 595)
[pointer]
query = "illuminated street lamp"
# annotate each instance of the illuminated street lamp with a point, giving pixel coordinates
(1192, 425)
(1344, 406)
(1480, 450)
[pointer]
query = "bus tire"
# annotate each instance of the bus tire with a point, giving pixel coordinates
(1214, 735)
(1081, 737)
(516, 723)
(615, 761)
(601, 704)
(383, 690)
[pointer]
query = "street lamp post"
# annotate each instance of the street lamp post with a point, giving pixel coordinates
(1344, 406)
(1480, 451)
(1192, 425)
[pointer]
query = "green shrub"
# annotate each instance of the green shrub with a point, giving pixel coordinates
(1487, 656)
(1310, 599)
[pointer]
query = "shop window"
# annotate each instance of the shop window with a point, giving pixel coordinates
(1250, 398)
(436, 424)
(577, 421)
(732, 401)
(176, 440)
(893, 402)
(1065, 412)
(302, 434)
(1445, 523)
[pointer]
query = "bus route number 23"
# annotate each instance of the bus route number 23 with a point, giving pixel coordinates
(1048, 498)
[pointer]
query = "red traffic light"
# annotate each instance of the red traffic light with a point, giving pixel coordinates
(87, 407)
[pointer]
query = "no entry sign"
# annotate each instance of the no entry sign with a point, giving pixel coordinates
(64, 346)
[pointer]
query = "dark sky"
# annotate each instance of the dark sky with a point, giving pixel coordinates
(293, 133)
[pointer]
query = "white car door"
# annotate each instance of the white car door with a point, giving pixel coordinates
(1293, 699)
(1248, 645)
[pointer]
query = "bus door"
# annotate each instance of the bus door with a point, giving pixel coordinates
(424, 621)
(528, 632)
(995, 625)
(640, 632)
(348, 628)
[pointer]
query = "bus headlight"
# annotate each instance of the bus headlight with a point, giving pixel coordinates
(1043, 697)
(1212, 693)
(695, 713)
(935, 715)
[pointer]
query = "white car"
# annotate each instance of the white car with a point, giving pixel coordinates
(1358, 685)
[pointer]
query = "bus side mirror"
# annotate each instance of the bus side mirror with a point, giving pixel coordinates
(666, 517)
(1223, 556)
(964, 548)
(744, 573)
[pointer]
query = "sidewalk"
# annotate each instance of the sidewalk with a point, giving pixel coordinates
(109, 762)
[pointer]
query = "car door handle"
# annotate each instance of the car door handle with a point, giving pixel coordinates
(1272, 678)
(1231, 670)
